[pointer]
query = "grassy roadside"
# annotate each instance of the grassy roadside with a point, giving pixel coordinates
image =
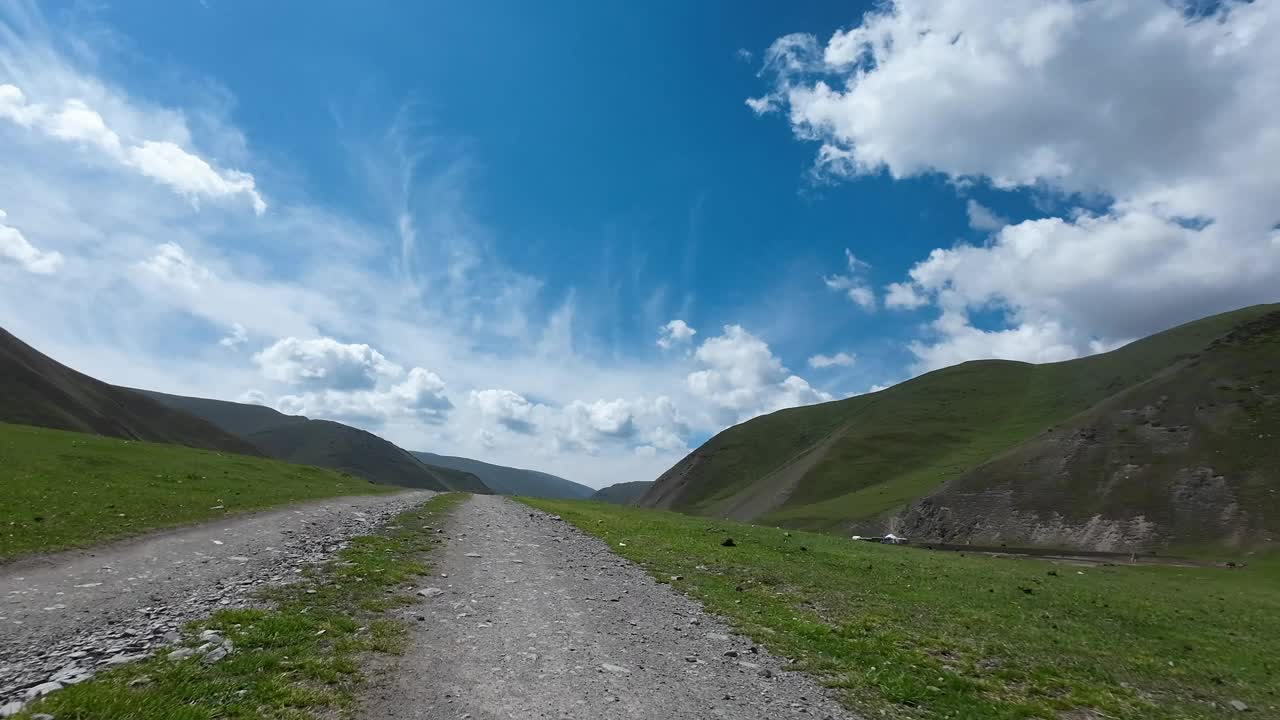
(908, 633)
(288, 662)
(63, 489)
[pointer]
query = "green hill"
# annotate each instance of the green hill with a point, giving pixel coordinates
(857, 463)
(323, 443)
(64, 489)
(625, 493)
(508, 480)
(37, 390)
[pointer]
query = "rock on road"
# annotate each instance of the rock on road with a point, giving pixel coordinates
(539, 620)
(65, 614)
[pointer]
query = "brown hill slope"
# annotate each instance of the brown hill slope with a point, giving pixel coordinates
(1186, 459)
(855, 464)
(37, 390)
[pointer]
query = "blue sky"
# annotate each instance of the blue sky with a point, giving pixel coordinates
(466, 228)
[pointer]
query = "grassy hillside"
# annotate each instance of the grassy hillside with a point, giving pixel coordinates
(323, 443)
(855, 462)
(341, 447)
(625, 493)
(37, 390)
(63, 489)
(903, 633)
(1187, 459)
(236, 418)
(508, 480)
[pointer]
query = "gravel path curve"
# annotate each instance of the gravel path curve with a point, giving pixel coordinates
(540, 620)
(63, 615)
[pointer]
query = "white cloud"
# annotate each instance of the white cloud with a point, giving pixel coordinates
(676, 332)
(421, 396)
(764, 104)
(853, 283)
(161, 160)
(191, 175)
(982, 217)
(14, 246)
(840, 359)
(174, 266)
(237, 337)
(742, 378)
(1163, 119)
(507, 408)
(903, 296)
(325, 363)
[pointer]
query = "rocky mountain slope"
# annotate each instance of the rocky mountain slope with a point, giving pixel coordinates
(38, 390)
(508, 480)
(1162, 442)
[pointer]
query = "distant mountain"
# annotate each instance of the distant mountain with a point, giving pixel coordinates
(511, 481)
(37, 390)
(1171, 441)
(626, 493)
(323, 443)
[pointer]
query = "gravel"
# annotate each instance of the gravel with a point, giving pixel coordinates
(63, 616)
(572, 631)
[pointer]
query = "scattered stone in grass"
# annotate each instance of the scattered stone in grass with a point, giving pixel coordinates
(1239, 706)
(43, 689)
(214, 655)
(11, 709)
(728, 542)
(180, 655)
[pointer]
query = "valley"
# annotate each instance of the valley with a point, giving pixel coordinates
(1108, 527)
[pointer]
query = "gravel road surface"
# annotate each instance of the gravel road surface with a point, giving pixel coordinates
(540, 620)
(63, 615)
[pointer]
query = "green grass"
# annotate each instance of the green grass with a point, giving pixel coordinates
(899, 444)
(299, 659)
(909, 633)
(64, 489)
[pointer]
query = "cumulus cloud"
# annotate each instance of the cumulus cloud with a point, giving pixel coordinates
(840, 359)
(742, 378)
(421, 396)
(164, 161)
(325, 363)
(1163, 119)
(853, 282)
(903, 296)
(507, 408)
(655, 424)
(676, 332)
(15, 247)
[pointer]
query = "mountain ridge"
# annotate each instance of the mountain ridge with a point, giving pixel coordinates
(886, 451)
(39, 391)
(505, 480)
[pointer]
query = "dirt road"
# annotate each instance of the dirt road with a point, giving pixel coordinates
(64, 615)
(539, 620)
